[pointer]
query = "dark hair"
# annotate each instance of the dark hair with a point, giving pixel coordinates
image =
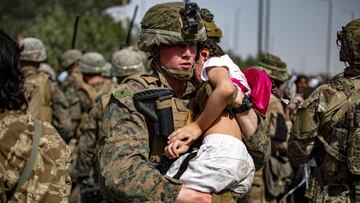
(299, 77)
(12, 95)
(214, 48)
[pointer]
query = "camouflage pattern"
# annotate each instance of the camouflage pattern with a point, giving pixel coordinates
(212, 30)
(318, 117)
(32, 50)
(163, 24)
(69, 58)
(46, 68)
(92, 63)
(106, 73)
(69, 87)
(274, 67)
(49, 180)
(127, 62)
(61, 114)
(349, 39)
(37, 92)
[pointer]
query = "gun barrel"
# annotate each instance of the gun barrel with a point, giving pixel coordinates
(75, 31)
(128, 37)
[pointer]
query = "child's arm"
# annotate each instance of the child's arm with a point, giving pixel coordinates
(218, 100)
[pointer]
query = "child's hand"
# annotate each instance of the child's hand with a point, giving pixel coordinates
(187, 134)
(239, 98)
(174, 149)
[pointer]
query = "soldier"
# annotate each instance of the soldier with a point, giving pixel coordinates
(268, 183)
(46, 101)
(326, 128)
(132, 146)
(61, 114)
(69, 61)
(124, 63)
(34, 162)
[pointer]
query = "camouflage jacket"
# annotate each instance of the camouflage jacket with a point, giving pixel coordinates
(49, 180)
(126, 155)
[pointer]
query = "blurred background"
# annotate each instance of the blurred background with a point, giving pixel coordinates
(301, 32)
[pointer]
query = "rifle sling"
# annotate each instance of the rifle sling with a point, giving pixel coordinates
(25, 174)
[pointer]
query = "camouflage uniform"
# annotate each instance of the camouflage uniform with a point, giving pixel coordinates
(270, 182)
(39, 86)
(129, 150)
(125, 62)
(49, 180)
(69, 86)
(326, 128)
(61, 116)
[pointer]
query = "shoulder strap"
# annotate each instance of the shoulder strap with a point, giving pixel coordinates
(25, 174)
(145, 80)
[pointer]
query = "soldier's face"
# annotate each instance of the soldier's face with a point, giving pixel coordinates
(178, 56)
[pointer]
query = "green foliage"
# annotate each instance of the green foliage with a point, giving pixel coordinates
(52, 21)
(96, 32)
(243, 63)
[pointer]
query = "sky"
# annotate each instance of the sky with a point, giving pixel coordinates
(298, 28)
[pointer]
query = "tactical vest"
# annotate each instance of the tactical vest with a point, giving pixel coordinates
(339, 172)
(181, 114)
(37, 87)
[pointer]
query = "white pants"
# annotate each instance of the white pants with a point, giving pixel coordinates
(222, 162)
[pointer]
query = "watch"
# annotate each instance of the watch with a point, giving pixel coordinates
(245, 106)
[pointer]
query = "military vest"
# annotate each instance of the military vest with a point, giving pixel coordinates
(180, 110)
(37, 91)
(339, 135)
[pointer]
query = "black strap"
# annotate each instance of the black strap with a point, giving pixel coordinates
(184, 165)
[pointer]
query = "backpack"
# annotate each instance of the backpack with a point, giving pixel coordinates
(38, 95)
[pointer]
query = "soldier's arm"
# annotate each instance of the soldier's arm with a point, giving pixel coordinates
(258, 144)
(87, 141)
(61, 115)
(125, 169)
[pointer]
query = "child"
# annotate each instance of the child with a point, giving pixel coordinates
(222, 161)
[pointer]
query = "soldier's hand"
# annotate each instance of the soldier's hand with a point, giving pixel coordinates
(174, 149)
(188, 134)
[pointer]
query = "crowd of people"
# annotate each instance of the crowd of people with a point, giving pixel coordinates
(174, 119)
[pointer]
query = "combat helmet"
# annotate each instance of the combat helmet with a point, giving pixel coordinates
(127, 62)
(349, 41)
(171, 23)
(213, 32)
(69, 58)
(92, 63)
(32, 49)
(274, 67)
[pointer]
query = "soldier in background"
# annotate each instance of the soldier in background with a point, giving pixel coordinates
(61, 119)
(92, 65)
(69, 61)
(131, 147)
(34, 159)
(124, 63)
(46, 100)
(327, 129)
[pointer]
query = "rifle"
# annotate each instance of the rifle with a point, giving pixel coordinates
(156, 104)
(75, 31)
(128, 36)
